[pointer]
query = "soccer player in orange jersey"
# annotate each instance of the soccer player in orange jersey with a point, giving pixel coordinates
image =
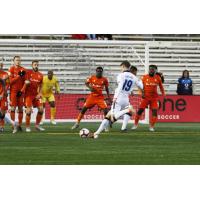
(32, 95)
(96, 84)
(150, 96)
(17, 78)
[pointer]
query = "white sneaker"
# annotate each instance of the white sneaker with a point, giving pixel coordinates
(96, 136)
(151, 129)
(15, 128)
(134, 127)
(28, 130)
(39, 128)
(53, 122)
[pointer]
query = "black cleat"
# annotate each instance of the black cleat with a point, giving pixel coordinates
(19, 128)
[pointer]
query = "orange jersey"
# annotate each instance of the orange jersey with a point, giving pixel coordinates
(150, 86)
(35, 79)
(16, 82)
(97, 84)
(3, 75)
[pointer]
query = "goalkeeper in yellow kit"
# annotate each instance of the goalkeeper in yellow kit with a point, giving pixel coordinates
(50, 82)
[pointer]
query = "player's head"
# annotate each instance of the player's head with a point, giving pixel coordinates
(50, 74)
(99, 72)
(133, 70)
(185, 74)
(1, 63)
(152, 70)
(125, 65)
(17, 60)
(35, 65)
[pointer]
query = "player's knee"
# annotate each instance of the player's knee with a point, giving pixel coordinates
(140, 111)
(130, 114)
(28, 113)
(40, 112)
(12, 109)
(154, 113)
(83, 110)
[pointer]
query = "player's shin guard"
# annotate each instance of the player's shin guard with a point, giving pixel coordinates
(80, 116)
(28, 119)
(2, 123)
(104, 124)
(153, 121)
(125, 121)
(20, 117)
(137, 118)
(39, 118)
(53, 113)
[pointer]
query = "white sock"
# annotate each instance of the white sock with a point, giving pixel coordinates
(104, 124)
(8, 120)
(120, 113)
(125, 121)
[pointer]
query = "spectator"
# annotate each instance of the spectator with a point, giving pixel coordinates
(91, 36)
(104, 37)
(79, 36)
(184, 86)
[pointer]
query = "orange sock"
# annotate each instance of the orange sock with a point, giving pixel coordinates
(28, 119)
(2, 123)
(153, 121)
(80, 116)
(12, 115)
(20, 117)
(38, 118)
(137, 118)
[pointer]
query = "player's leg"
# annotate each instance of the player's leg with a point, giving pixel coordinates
(144, 103)
(13, 105)
(125, 122)
(44, 99)
(38, 104)
(28, 103)
(52, 104)
(154, 108)
(90, 102)
(4, 107)
(20, 112)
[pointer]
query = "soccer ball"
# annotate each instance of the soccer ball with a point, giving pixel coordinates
(84, 132)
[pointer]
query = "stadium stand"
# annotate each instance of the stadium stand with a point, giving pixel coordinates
(72, 61)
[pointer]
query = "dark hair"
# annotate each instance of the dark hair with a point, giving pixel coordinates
(101, 68)
(16, 57)
(133, 68)
(35, 61)
(153, 66)
(188, 73)
(126, 64)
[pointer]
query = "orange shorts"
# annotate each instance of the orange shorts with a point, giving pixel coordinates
(4, 104)
(16, 101)
(152, 102)
(32, 101)
(92, 101)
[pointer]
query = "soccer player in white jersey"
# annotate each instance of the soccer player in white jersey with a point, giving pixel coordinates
(121, 106)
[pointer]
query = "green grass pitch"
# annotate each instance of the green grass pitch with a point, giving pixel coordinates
(170, 144)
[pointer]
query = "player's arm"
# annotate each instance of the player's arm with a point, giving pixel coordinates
(88, 85)
(161, 87)
(39, 95)
(26, 84)
(120, 81)
(13, 79)
(107, 90)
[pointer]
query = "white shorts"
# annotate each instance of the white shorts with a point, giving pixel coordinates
(120, 104)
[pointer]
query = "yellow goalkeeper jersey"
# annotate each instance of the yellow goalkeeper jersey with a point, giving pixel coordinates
(49, 85)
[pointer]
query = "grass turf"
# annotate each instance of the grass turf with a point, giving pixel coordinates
(170, 144)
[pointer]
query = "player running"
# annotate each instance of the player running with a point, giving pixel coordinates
(17, 78)
(150, 96)
(32, 95)
(50, 82)
(96, 84)
(121, 106)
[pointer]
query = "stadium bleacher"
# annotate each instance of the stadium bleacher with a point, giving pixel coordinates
(72, 61)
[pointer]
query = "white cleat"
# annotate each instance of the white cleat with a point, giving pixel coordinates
(134, 127)
(151, 129)
(39, 128)
(53, 122)
(75, 126)
(28, 130)
(15, 128)
(96, 136)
